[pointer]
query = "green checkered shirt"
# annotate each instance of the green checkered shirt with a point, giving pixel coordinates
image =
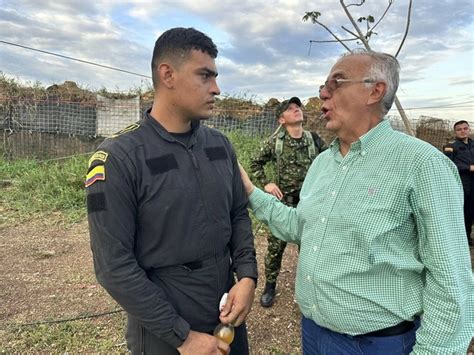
(382, 240)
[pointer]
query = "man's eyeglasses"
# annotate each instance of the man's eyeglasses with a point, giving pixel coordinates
(332, 85)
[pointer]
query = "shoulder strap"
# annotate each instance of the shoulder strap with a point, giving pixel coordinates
(279, 144)
(311, 146)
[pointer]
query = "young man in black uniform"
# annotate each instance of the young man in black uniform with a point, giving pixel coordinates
(461, 152)
(168, 212)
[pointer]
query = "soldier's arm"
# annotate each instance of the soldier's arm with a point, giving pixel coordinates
(265, 155)
(448, 150)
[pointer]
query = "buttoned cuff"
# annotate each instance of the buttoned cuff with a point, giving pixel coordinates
(178, 334)
(247, 270)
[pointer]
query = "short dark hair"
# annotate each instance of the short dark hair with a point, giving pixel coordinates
(460, 122)
(177, 43)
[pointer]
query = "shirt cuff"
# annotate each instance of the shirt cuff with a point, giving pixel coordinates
(258, 198)
(178, 334)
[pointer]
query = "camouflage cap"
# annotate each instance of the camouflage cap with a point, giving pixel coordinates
(284, 105)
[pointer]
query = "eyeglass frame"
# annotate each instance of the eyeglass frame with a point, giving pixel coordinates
(339, 81)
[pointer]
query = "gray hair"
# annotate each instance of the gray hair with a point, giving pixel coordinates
(386, 68)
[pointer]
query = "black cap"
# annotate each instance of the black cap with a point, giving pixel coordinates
(284, 105)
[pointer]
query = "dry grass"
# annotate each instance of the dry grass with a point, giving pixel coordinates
(46, 274)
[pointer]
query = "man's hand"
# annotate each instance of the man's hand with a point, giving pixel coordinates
(239, 302)
(471, 168)
(249, 187)
(273, 189)
(203, 344)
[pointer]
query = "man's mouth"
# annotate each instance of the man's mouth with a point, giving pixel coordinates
(324, 111)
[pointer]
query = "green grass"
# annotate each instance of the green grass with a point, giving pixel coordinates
(103, 334)
(33, 189)
(37, 189)
(245, 146)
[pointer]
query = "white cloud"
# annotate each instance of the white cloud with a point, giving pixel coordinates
(263, 44)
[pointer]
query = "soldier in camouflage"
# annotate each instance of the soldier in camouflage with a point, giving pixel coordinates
(291, 150)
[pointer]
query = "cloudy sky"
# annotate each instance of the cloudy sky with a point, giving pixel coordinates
(264, 46)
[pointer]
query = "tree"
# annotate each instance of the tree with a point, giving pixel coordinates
(363, 38)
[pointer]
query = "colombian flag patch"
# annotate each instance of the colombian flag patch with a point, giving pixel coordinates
(96, 174)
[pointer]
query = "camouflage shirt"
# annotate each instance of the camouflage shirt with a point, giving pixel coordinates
(292, 165)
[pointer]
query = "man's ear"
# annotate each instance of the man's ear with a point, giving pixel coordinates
(377, 93)
(281, 120)
(167, 74)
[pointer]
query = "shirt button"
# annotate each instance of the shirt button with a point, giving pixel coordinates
(333, 193)
(315, 248)
(363, 153)
(344, 167)
(308, 278)
(323, 219)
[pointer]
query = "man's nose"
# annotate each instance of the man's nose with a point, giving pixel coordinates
(324, 93)
(215, 88)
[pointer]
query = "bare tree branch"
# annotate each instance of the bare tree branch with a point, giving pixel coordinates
(333, 40)
(390, 2)
(406, 29)
(315, 20)
(360, 36)
(404, 117)
(367, 46)
(352, 33)
(361, 3)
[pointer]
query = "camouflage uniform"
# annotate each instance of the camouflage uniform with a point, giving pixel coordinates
(291, 170)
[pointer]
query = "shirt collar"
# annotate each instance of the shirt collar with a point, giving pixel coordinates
(195, 124)
(368, 140)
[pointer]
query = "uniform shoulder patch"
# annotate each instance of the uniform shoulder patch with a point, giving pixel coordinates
(99, 156)
(95, 174)
(448, 149)
(127, 129)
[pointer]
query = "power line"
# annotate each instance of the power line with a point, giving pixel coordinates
(75, 59)
(442, 106)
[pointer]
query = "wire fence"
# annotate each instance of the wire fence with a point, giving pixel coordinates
(51, 127)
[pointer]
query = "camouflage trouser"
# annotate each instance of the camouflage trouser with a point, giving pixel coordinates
(275, 249)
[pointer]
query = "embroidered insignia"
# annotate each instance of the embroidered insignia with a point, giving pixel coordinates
(371, 191)
(448, 149)
(127, 129)
(96, 174)
(99, 155)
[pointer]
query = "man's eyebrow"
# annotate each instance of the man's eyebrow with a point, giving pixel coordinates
(209, 71)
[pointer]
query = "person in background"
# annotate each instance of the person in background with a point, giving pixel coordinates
(291, 151)
(383, 266)
(168, 215)
(461, 152)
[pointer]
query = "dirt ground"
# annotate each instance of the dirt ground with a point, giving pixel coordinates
(46, 274)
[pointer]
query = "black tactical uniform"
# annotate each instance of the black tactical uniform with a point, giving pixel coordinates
(462, 154)
(169, 227)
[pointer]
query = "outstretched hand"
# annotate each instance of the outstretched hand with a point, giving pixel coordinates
(273, 189)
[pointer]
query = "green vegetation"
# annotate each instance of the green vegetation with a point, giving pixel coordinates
(101, 334)
(34, 189)
(31, 188)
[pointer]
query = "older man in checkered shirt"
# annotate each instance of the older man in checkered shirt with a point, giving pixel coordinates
(384, 265)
